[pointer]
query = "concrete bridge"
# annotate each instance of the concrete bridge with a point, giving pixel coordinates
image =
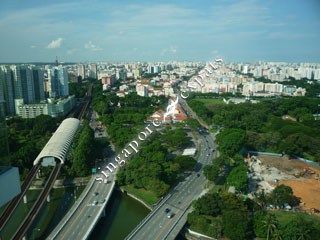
(81, 219)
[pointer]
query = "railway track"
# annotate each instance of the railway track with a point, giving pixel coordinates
(36, 207)
(15, 202)
(23, 228)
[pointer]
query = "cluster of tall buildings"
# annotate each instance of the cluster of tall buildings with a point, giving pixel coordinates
(279, 71)
(29, 84)
(85, 71)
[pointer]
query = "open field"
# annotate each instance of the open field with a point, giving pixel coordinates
(210, 101)
(211, 104)
(285, 217)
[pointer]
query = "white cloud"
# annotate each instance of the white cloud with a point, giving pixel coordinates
(215, 52)
(55, 43)
(92, 47)
(33, 46)
(171, 49)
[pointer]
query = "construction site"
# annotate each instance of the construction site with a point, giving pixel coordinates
(266, 172)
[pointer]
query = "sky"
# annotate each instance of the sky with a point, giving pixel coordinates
(130, 30)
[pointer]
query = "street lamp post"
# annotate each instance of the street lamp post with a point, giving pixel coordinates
(37, 229)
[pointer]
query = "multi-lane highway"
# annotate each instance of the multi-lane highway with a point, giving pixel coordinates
(158, 225)
(80, 223)
(80, 220)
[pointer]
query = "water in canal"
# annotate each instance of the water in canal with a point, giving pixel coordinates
(122, 216)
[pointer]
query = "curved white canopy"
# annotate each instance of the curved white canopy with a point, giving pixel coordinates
(59, 144)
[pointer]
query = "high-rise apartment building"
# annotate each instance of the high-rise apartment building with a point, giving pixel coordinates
(93, 71)
(82, 71)
(7, 90)
(58, 82)
(38, 81)
(27, 83)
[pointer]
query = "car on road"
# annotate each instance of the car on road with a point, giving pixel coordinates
(170, 214)
(167, 210)
(198, 175)
(95, 202)
(95, 193)
(102, 200)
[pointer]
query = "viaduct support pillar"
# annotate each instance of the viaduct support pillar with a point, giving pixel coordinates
(25, 199)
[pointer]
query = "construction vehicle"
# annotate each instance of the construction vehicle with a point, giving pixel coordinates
(299, 174)
(308, 170)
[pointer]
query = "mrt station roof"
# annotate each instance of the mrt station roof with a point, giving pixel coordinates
(59, 144)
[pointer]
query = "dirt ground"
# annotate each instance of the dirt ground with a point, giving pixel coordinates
(308, 190)
(305, 187)
(289, 166)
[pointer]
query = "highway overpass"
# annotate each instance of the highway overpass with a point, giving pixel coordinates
(157, 225)
(80, 221)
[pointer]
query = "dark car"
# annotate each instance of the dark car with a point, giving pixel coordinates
(167, 210)
(198, 175)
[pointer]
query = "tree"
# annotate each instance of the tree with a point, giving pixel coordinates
(300, 229)
(236, 224)
(192, 123)
(185, 162)
(158, 187)
(270, 223)
(238, 178)
(211, 172)
(283, 194)
(230, 141)
(208, 204)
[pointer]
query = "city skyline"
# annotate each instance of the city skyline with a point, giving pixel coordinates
(75, 31)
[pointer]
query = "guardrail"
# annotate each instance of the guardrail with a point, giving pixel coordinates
(99, 213)
(178, 219)
(73, 210)
(137, 228)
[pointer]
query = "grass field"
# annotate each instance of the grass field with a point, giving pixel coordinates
(143, 194)
(285, 217)
(210, 101)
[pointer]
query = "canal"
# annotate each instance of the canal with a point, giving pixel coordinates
(122, 216)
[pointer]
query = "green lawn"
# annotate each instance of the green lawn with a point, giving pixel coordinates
(285, 217)
(210, 101)
(214, 130)
(147, 196)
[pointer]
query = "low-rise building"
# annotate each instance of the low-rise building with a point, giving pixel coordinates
(52, 107)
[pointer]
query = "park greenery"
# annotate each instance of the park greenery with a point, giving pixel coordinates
(78, 89)
(151, 169)
(235, 217)
(26, 139)
(264, 129)
(150, 173)
(258, 127)
(123, 116)
(84, 151)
